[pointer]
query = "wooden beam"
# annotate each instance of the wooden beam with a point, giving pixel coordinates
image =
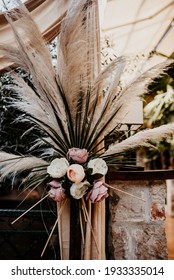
(47, 14)
(140, 175)
(30, 4)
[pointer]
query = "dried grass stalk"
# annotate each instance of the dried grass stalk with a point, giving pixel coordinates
(142, 138)
(12, 164)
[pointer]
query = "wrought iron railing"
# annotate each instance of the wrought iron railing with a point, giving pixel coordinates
(26, 238)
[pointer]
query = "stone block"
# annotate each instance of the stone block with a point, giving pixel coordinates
(136, 229)
(151, 243)
(118, 245)
(158, 197)
(124, 207)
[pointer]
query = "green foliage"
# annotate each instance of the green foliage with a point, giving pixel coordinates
(159, 101)
(12, 133)
(159, 110)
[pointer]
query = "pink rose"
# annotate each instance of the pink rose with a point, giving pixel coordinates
(76, 173)
(98, 192)
(78, 155)
(56, 192)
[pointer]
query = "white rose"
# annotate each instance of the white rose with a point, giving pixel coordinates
(98, 165)
(58, 167)
(77, 191)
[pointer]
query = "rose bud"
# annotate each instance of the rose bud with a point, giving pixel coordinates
(56, 192)
(78, 155)
(75, 173)
(98, 192)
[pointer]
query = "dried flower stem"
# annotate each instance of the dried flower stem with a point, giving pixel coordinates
(114, 188)
(86, 212)
(30, 209)
(81, 226)
(56, 222)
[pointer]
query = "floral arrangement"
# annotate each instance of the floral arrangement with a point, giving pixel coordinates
(73, 108)
(77, 176)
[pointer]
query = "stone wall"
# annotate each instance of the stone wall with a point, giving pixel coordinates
(136, 228)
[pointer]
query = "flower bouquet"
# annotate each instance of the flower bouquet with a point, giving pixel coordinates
(73, 109)
(79, 178)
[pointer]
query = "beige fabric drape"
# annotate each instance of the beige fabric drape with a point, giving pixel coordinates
(47, 14)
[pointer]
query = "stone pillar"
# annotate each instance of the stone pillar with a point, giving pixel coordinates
(136, 228)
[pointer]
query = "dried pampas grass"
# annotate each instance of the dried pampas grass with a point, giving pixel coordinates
(13, 164)
(141, 138)
(78, 46)
(32, 55)
(80, 104)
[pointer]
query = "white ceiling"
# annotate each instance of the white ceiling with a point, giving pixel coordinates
(138, 25)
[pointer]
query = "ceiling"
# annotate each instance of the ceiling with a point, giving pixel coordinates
(139, 26)
(136, 26)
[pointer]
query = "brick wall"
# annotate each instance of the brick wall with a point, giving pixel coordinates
(136, 228)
